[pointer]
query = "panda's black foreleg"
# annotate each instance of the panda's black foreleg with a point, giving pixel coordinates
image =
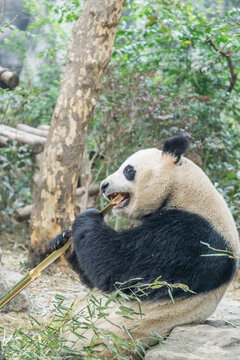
(96, 248)
(60, 240)
(73, 261)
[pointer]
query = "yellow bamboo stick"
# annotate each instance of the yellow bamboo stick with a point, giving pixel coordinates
(36, 272)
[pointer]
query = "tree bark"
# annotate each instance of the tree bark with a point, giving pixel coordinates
(89, 53)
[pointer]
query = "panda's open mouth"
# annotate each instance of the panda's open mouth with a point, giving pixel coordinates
(126, 198)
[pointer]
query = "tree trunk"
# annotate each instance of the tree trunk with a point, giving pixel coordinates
(89, 53)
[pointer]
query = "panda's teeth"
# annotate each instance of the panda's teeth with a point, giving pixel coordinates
(112, 196)
(125, 195)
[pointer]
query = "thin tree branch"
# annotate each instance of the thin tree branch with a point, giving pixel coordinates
(2, 11)
(230, 64)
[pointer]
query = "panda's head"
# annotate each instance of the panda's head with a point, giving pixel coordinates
(145, 179)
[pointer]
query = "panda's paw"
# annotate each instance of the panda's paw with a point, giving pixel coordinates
(60, 240)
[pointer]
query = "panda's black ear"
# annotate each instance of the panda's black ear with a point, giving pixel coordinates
(176, 146)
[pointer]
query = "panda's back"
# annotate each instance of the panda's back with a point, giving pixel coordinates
(178, 247)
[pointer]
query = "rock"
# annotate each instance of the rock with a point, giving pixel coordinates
(199, 342)
(7, 280)
(218, 338)
(227, 309)
(215, 339)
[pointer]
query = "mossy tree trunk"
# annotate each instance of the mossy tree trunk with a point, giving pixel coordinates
(89, 53)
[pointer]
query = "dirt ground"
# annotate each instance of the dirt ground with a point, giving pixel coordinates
(54, 281)
(42, 291)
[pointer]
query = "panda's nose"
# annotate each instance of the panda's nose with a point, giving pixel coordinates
(104, 186)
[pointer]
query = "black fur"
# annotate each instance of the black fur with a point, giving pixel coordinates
(104, 186)
(166, 244)
(129, 172)
(176, 146)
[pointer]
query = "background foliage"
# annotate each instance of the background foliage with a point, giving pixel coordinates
(14, 182)
(165, 78)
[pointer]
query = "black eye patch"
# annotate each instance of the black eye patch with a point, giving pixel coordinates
(129, 172)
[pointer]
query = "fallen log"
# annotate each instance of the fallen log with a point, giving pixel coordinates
(37, 148)
(3, 140)
(8, 79)
(32, 130)
(23, 213)
(21, 136)
(44, 127)
(92, 191)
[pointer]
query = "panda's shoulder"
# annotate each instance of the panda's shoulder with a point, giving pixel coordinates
(177, 216)
(183, 227)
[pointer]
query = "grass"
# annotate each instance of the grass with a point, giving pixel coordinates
(50, 341)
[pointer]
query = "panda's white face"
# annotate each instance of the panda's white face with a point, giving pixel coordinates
(152, 178)
(144, 180)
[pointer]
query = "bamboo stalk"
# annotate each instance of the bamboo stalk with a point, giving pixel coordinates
(36, 272)
(115, 202)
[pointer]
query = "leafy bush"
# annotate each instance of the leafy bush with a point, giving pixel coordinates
(46, 38)
(15, 178)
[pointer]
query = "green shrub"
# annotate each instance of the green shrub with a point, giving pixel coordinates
(15, 180)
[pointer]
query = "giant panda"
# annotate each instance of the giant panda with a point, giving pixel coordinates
(178, 212)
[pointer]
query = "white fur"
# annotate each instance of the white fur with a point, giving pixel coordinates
(160, 317)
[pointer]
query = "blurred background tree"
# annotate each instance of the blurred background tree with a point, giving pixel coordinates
(174, 70)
